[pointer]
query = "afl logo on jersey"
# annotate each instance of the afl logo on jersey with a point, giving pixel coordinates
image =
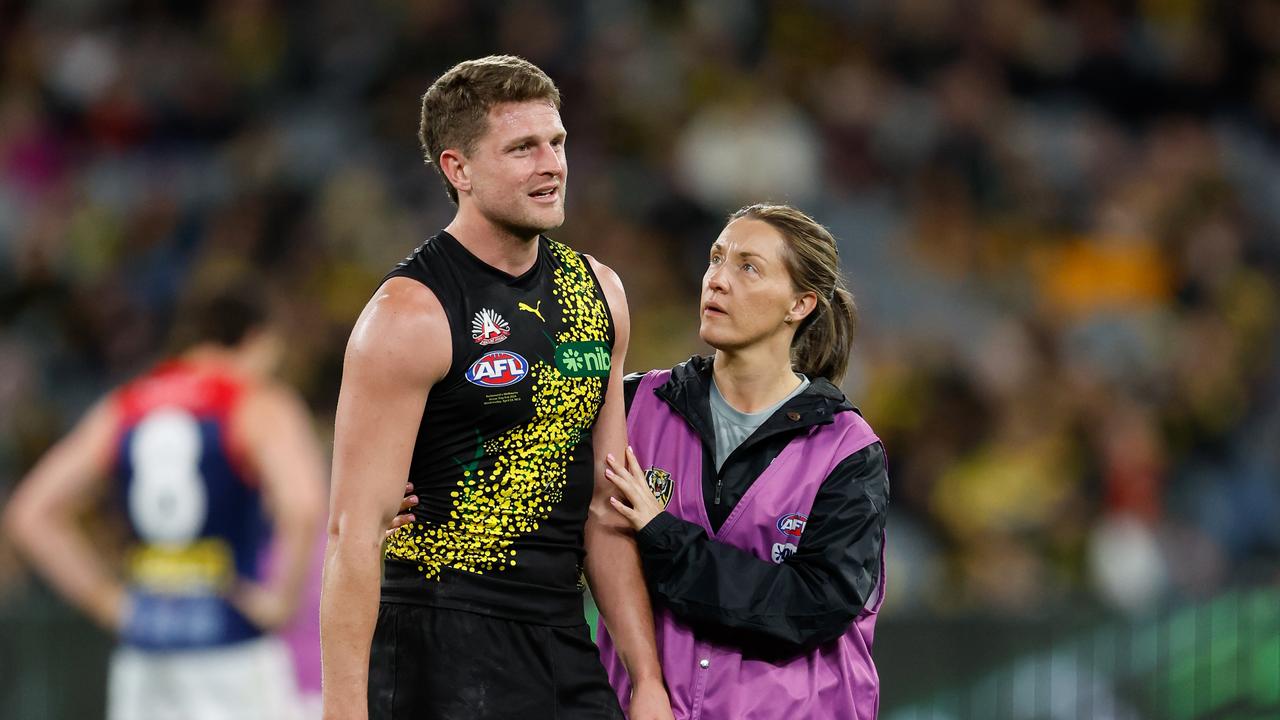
(497, 369)
(792, 525)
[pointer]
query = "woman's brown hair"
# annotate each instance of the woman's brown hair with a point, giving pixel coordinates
(824, 340)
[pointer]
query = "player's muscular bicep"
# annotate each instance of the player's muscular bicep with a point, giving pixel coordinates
(610, 435)
(614, 414)
(616, 296)
(398, 350)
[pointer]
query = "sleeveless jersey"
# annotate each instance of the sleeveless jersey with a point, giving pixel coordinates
(503, 463)
(195, 513)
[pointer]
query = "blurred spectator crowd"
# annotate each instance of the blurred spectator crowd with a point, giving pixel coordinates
(1061, 221)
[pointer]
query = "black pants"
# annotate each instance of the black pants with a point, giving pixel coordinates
(434, 664)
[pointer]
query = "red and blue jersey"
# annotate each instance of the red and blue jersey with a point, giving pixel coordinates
(193, 507)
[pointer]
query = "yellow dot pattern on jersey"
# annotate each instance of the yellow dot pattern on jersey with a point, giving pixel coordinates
(530, 470)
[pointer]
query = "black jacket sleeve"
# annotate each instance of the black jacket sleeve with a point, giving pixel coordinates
(808, 600)
(630, 384)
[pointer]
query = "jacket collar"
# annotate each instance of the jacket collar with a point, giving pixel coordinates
(688, 392)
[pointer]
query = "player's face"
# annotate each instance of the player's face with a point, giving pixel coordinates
(747, 290)
(518, 168)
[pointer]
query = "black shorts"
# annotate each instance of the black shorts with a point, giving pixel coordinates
(433, 664)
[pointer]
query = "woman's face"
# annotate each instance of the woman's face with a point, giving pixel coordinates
(747, 291)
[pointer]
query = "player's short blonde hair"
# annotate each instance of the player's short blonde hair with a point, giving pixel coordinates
(455, 108)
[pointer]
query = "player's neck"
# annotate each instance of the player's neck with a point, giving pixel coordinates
(212, 355)
(752, 379)
(494, 245)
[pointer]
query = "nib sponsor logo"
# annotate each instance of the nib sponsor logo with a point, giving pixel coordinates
(583, 359)
(497, 369)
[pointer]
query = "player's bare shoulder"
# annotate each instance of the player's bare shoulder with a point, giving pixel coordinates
(268, 406)
(614, 293)
(402, 331)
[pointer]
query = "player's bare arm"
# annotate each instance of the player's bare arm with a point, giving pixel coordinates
(613, 564)
(398, 349)
(274, 426)
(42, 518)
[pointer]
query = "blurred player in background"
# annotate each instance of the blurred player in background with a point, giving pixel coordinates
(213, 465)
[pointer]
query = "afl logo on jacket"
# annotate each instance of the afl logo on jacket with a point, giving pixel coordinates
(792, 525)
(497, 369)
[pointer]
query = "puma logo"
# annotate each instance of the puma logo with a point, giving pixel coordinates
(535, 310)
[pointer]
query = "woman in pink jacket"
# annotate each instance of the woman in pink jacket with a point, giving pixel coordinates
(757, 492)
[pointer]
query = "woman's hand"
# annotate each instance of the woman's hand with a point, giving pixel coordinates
(406, 510)
(640, 504)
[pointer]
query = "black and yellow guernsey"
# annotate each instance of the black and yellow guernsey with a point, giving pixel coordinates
(503, 464)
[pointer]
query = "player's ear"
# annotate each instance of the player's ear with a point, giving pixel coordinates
(453, 164)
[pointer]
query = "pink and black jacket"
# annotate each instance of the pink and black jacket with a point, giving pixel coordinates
(766, 577)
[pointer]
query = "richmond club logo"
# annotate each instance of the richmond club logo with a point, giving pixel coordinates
(659, 482)
(498, 368)
(792, 525)
(488, 327)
